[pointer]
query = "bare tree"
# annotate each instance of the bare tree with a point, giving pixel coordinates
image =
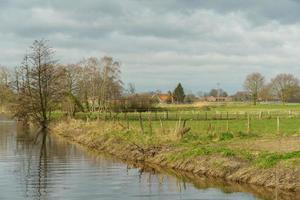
(111, 84)
(254, 84)
(6, 92)
(5, 74)
(41, 88)
(285, 86)
(73, 76)
(266, 92)
(99, 82)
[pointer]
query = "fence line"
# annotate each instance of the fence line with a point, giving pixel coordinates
(188, 115)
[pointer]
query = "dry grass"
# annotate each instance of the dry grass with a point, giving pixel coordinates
(100, 130)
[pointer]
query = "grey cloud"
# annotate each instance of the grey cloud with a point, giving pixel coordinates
(161, 42)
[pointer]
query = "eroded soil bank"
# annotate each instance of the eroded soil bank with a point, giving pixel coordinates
(230, 168)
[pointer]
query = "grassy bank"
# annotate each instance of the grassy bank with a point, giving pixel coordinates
(258, 157)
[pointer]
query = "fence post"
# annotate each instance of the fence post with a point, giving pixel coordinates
(150, 123)
(278, 125)
(260, 114)
(209, 127)
(248, 124)
(227, 126)
(141, 122)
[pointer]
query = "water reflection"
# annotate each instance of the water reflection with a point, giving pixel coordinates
(54, 169)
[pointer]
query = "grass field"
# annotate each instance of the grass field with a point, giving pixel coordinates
(265, 134)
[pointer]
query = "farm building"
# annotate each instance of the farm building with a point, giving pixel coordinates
(164, 98)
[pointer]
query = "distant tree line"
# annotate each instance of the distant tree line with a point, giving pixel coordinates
(283, 87)
(41, 85)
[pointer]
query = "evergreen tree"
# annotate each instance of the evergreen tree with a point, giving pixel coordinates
(178, 94)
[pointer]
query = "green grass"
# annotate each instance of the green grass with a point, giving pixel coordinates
(266, 160)
(201, 151)
(212, 130)
(263, 159)
(236, 127)
(215, 124)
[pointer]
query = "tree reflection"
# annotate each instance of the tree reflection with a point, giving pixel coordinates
(42, 166)
(35, 165)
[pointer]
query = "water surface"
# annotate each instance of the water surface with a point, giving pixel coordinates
(60, 170)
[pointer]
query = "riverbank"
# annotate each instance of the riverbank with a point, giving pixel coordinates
(226, 159)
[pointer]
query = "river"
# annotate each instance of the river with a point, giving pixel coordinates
(60, 170)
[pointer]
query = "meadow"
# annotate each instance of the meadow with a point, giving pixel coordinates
(265, 134)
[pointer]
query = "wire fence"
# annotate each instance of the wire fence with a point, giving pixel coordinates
(189, 115)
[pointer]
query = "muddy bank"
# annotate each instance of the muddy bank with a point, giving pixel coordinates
(231, 169)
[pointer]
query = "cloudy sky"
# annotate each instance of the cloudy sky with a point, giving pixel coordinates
(162, 42)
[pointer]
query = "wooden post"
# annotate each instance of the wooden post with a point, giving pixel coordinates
(141, 122)
(227, 126)
(248, 124)
(278, 125)
(209, 127)
(260, 115)
(150, 123)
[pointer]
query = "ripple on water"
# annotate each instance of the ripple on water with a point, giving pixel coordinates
(63, 171)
